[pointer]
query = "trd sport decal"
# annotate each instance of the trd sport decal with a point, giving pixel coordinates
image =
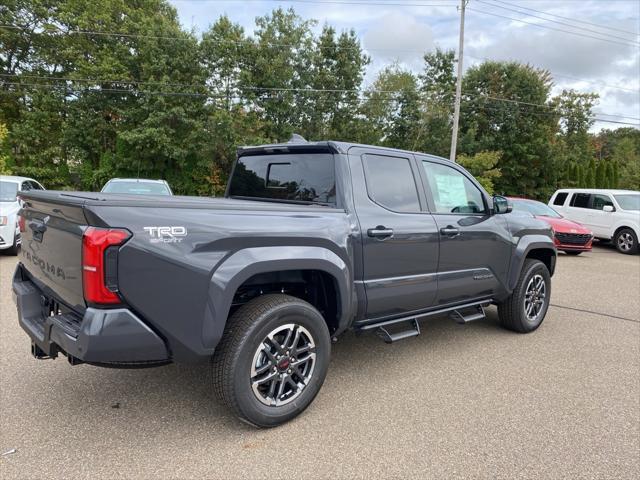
(166, 234)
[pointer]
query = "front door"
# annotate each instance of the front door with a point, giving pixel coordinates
(475, 246)
(599, 221)
(399, 236)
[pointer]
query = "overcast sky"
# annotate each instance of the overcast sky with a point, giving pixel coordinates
(404, 32)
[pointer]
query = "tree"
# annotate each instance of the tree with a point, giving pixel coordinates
(483, 166)
(392, 109)
(601, 175)
(521, 130)
(437, 86)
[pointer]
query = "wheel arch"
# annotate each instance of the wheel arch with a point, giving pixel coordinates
(250, 263)
(539, 247)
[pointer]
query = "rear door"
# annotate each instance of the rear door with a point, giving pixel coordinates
(399, 236)
(475, 246)
(578, 209)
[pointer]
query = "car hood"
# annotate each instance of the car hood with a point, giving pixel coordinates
(564, 225)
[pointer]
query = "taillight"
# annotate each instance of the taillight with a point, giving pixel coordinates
(95, 246)
(21, 223)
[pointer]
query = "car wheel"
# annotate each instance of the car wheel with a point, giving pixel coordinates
(527, 306)
(626, 241)
(572, 252)
(272, 359)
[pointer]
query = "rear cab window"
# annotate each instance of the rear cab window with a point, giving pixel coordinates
(307, 178)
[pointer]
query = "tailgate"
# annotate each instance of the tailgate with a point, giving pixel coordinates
(52, 245)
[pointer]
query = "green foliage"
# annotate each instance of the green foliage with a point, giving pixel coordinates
(483, 166)
(5, 168)
(161, 102)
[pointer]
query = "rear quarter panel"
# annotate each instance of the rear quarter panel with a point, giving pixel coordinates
(168, 280)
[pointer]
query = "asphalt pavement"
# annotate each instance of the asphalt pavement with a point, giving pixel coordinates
(458, 401)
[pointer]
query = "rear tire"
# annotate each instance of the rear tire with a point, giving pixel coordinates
(626, 241)
(525, 309)
(272, 359)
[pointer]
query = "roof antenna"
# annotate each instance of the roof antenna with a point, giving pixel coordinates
(295, 138)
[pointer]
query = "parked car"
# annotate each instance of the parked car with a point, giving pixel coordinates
(568, 236)
(10, 238)
(609, 214)
(312, 239)
(137, 186)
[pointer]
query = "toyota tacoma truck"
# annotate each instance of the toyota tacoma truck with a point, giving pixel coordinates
(310, 240)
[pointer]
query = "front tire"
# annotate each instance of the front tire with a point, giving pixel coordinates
(626, 241)
(527, 306)
(272, 359)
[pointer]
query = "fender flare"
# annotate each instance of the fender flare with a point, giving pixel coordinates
(526, 244)
(244, 264)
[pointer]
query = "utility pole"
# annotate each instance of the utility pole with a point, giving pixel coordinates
(456, 111)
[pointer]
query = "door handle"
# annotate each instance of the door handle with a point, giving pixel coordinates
(450, 231)
(380, 232)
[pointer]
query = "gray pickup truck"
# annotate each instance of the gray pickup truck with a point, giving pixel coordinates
(311, 239)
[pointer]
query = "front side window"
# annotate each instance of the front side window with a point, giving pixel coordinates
(599, 201)
(452, 191)
(35, 185)
(560, 198)
(391, 184)
(293, 177)
(580, 200)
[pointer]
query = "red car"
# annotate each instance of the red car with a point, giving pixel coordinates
(570, 237)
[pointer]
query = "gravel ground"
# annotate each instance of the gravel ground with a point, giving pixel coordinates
(457, 401)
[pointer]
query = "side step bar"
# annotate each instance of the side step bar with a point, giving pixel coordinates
(412, 331)
(463, 316)
(460, 313)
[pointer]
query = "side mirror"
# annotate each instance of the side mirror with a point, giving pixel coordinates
(608, 208)
(501, 205)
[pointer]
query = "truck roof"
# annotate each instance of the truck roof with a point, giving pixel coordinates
(322, 145)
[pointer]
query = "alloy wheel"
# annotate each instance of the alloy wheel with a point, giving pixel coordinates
(535, 297)
(625, 241)
(283, 365)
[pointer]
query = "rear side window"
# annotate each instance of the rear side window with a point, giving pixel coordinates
(560, 198)
(580, 200)
(297, 177)
(390, 183)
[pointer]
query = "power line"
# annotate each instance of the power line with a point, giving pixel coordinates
(553, 28)
(598, 25)
(307, 90)
(555, 21)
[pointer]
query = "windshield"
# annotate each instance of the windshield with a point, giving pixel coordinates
(534, 208)
(294, 177)
(628, 202)
(8, 191)
(137, 188)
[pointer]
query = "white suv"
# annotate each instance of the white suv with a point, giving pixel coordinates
(610, 214)
(9, 206)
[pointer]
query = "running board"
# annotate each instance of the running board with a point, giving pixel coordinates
(463, 316)
(460, 312)
(413, 330)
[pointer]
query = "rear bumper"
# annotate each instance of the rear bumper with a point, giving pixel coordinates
(115, 337)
